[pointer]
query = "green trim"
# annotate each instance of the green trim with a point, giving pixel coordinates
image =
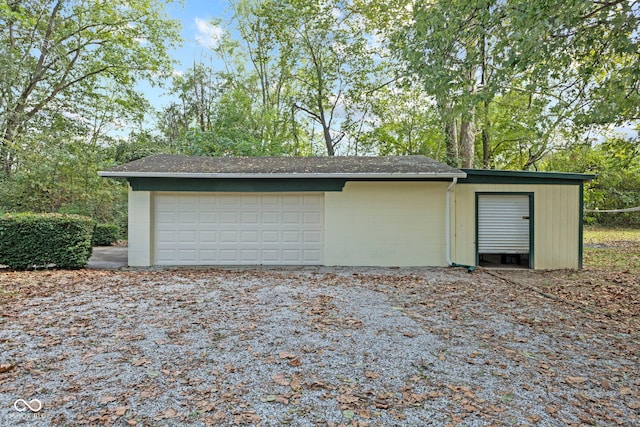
(485, 176)
(239, 185)
(531, 221)
(581, 228)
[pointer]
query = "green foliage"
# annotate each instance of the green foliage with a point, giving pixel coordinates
(75, 63)
(616, 163)
(105, 234)
(30, 240)
(64, 178)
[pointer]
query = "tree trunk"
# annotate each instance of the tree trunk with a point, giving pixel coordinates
(327, 139)
(486, 138)
(450, 133)
(451, 141)
(6, 161)
(468, 139)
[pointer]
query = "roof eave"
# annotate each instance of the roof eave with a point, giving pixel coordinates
(422, 175)
(569, 176)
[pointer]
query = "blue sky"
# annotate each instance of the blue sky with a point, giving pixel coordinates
(198, 36)
(197, 31)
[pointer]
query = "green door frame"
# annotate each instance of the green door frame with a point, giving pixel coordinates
(531, 220)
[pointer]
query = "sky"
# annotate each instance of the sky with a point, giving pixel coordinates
(197, 32)
(198, 37)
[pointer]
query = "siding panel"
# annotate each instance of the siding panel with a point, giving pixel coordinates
(556, 223)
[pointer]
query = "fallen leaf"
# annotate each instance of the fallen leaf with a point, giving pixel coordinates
(634, 405)
(348, 414)
(295, 362)
(371, 375)
(287, 355)
(281, 379)
(575, 380)
(296, 382)
(6, 368)
(625, 390)
(170, 413)
(552, 410)
(346, 398)
(247, 418)
(282, 399)
(140, 362)
(121, 410)
(107, 399)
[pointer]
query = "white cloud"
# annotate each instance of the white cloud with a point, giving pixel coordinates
(208, 35)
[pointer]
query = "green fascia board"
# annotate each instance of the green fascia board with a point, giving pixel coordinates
(248, 185)
(237, 185)
(487, 176)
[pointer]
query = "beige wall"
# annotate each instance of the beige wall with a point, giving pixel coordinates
(386, 224)
(556, 223)
(140, 228)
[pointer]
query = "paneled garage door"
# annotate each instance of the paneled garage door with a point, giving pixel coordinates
(248, 228)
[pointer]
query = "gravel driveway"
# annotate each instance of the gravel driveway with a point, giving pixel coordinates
(305, 347)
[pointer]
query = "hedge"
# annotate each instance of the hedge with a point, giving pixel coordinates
(105, 234)
(29, 240)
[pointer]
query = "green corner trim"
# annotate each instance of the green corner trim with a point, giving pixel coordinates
(581, 228)
(238, 185)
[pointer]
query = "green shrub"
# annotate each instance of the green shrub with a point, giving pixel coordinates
(106, 234)
(29, 240)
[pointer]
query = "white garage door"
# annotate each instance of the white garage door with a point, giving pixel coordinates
(248, 228)
(503, 224)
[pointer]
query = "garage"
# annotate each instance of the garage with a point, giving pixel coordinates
(395, 211)
(231, 229)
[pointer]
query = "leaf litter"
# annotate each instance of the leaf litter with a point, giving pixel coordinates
(318, 346)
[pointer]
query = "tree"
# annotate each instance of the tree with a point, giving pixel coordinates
(616, 164)
(312, 62)
(574, 61)
(59, 56)
(582, 55)
(401, 122)
(445, 44)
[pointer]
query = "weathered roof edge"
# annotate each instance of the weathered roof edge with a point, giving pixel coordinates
(347, 167)
(365, 175)
(493, 173)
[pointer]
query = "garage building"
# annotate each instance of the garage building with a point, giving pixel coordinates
(348, 211)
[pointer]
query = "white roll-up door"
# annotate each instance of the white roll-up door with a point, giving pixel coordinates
(503, 224)
(238, 228)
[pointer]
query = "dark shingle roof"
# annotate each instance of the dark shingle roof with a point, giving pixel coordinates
(282, 167)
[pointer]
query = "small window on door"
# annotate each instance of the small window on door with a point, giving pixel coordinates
(504, 230)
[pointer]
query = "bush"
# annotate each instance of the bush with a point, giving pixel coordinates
(105, 234)
(29, 240)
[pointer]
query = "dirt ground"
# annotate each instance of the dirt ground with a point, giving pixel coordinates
(320, 346)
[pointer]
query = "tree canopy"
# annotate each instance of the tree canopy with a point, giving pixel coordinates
(536, 84)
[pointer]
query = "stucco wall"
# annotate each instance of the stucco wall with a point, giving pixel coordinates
(556, 223)
(140, 228)
(386, 224)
